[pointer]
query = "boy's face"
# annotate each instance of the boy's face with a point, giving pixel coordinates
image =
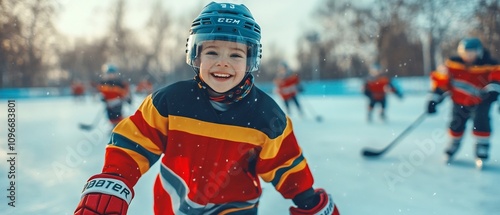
(469, 56)
(374, 72)
(281, 70)
(223, 64)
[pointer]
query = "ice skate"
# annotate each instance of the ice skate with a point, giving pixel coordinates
(383, 117)
(451, 150)
(481, 154)
(479, 163)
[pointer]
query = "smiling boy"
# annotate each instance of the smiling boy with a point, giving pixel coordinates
(216, 134)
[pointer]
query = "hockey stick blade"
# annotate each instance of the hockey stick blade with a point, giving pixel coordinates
(373, 153)
(86, 127)
(319, 118)
(94, 124)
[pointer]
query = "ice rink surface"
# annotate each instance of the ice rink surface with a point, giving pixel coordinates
(55, 158)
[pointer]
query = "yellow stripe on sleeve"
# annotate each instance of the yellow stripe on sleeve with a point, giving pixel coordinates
(297, 168)
(269, 176)
(272, 147)
(128, 129)
(228, 211)
(152, 116)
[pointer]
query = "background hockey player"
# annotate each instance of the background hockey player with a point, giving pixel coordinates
(144, 87)
(288, 86)
(212, 134)
(472, 79)
(114, 92)
(375, 89)
(78, 90)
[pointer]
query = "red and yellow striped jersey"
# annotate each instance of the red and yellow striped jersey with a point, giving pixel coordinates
(464, 82)
(211, 161)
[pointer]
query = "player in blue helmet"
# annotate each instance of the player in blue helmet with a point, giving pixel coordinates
(217, 134)
(114, 92)
(473, 81)
(470, 49)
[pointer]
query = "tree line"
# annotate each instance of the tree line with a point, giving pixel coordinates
(407, 37)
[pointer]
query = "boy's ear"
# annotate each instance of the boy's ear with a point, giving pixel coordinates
(197, 62)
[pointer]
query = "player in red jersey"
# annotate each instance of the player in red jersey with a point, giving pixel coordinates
(144, 87)
(473, 80)
(114, 92)
(375, 89)
(288, 86)
(78, 90)
(216, 134)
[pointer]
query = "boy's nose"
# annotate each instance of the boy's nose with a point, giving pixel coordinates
(222, 62)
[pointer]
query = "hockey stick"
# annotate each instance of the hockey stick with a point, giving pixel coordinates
(374, 152)
(97, 119)
(317, 117)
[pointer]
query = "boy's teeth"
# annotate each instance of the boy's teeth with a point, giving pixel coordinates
(221, 75)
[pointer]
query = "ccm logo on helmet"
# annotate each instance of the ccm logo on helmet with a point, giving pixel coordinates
(229, 20)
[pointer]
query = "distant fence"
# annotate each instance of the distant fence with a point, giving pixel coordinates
(37, 92)
(351, 86)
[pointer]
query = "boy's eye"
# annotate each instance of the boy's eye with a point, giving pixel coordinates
(237, 55)
(211, 53)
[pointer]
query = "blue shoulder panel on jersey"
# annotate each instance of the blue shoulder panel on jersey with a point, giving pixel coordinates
(123, 142)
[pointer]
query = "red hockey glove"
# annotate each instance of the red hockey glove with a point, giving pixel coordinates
(325, 206)
(105, 194)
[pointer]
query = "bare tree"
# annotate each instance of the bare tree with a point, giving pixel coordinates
(440, 25)
(11, 47)
(364, 33)
(158, 26)
(84, 60)
(488, 28)
(123, 47)
(408, 37)
(28, 38)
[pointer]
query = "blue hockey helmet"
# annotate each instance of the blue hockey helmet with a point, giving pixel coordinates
(109, 69)
(284, 64)
(376, 66)
(471, 44)
(226, 22)
(375, 69)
